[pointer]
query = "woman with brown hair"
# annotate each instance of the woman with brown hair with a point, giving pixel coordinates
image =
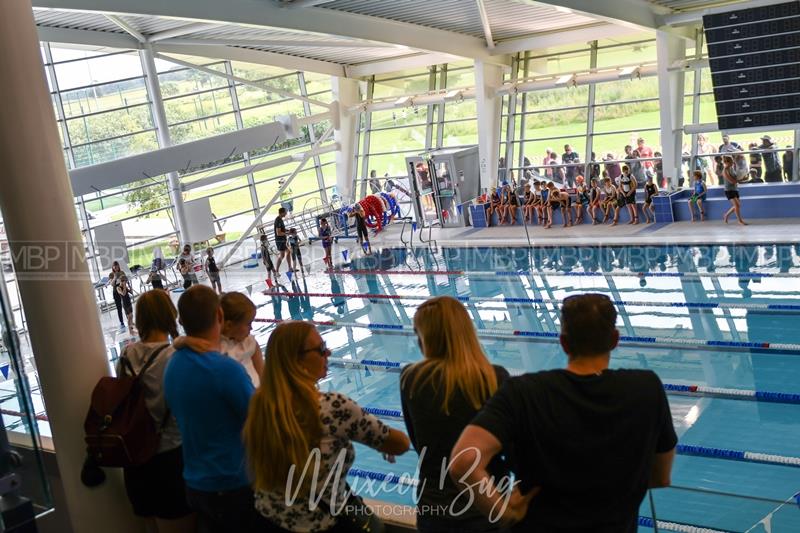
(440, 396)
(292, 428)
(156, 489)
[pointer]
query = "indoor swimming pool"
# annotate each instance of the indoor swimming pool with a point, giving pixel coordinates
(720, 325)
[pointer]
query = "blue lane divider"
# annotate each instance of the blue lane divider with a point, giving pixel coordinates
(670, 388)
(753, 306)
(681, 449)
(784, 348)
(645, 521)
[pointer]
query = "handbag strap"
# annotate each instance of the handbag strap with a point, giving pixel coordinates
(128, 367)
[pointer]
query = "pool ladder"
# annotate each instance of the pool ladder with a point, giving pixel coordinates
(407, 221)
(430, 242)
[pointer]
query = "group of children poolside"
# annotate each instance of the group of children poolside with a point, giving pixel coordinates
(543, 199)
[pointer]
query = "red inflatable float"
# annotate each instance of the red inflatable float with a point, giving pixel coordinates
(373, 212)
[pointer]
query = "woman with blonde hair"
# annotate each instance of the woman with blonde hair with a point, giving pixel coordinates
(292, 428)
(440, 395)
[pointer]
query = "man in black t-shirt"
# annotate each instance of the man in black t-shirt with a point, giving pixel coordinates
(570, 158)
(280, 242)
(589, 440)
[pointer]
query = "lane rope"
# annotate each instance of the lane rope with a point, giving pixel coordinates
(624, 339)
(622, 273)
(510, 300)
(681, 449)
(674, 389)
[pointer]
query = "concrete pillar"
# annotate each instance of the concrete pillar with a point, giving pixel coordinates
(164, 139)
(37, 204)
(487, 79)
(345, 94)
(670, 98)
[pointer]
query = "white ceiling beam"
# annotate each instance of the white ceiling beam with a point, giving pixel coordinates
(317, 21)
(89, 37)
(181, 30)
(305, 3)
(696, 17)
(487, 26)
(582, 34)
(384, 66)
(256, 42)
(257, 57)
(127, 28)
(635, 14)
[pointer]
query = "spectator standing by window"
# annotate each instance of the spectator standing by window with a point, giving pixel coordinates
(502, 171)
(755, 160)
(570, 158)
(374, 184)
(788, 163)
(637, 166)
(658, 167)
(286, 197)
(772, 166)
(645, 152)
(594, 168)
(561, 419)
(728, 146)
(557, 171)
(613, 169)
(703, 161)
(547, 172)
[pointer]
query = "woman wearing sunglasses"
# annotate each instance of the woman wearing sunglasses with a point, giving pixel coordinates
(292, 427)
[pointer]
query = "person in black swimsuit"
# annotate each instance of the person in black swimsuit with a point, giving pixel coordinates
(280, 242)
(361, 228)
(513, 204)
(494, 207)
(650, 190)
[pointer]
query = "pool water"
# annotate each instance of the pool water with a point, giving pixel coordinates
(719, 324)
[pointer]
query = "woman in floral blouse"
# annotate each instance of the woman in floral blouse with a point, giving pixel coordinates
(299, 440)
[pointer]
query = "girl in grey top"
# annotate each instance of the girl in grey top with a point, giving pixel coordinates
(156, 488)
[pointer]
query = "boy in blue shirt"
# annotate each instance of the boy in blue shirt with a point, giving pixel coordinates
(209, 394)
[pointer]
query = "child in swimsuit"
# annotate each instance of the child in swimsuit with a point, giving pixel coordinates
(650, 190)
(494, 206)
(594, 199)
(553, 201)
(542, 208)
(581, 198)
(698, 196)
(513, 204)
(610, 200)
(527, 207)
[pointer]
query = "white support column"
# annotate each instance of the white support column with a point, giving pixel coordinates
(670, 98)
(52, 273)
(345, 95)
(487, 79)
(162, 132)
